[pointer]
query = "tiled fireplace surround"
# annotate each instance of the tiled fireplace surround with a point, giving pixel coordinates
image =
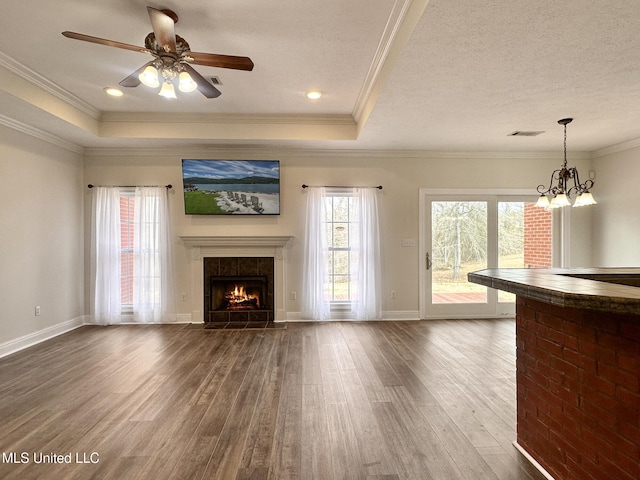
(201, 247)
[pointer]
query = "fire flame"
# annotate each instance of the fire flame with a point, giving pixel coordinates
(239, 297)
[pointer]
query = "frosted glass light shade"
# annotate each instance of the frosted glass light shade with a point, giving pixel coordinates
(584, 199)
(186, 83)
(559, 200)
(167, 90)
(149, 77)
(543, 202)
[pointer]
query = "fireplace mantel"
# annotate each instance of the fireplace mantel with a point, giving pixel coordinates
(201, 246)
(235, 241)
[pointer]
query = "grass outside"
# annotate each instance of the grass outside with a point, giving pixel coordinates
(202, 203)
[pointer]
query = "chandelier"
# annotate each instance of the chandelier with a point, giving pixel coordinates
(565, 183)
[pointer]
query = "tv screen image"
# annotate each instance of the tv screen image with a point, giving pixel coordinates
(231, 187)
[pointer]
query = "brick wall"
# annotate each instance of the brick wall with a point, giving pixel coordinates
(578, 392)
(537, 236)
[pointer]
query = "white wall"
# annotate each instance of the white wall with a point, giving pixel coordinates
(41, 236)
(616, 218)
(401, 176)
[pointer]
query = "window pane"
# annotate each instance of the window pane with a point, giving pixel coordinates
(341, 262)
(341, 288)
(340, 235)
(330, 261)
(341, 209)
(329, 233)
(510, 235)
(459, 246)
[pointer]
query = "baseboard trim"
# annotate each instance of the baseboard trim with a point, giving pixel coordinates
(181, 318)
(388, 316)
(533, 461)
(401, 315)
(184, 318)
(31, 339)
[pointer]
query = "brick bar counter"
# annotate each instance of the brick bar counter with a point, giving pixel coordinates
(578, 368)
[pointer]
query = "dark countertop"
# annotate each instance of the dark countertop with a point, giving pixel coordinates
(606, 289)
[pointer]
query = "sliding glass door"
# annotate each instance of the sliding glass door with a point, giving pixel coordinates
(465, 233)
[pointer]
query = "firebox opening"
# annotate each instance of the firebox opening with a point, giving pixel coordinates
(239, 293)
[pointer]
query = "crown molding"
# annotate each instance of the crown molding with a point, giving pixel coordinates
(620, 147)
(40, 134)
(38, 80)
(266, 152)
(230, 118)
(403, 19)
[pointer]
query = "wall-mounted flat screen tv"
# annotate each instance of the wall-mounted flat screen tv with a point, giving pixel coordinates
(231, 187)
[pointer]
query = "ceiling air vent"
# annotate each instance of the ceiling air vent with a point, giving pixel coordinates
(214, 80)
(524, 133)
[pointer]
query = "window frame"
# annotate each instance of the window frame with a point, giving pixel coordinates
(330, 222)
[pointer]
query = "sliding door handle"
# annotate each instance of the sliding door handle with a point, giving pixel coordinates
(428, 261)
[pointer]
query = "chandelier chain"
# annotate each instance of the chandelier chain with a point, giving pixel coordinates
(565, 146)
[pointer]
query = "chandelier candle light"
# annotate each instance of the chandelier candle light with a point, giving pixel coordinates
(559, 188)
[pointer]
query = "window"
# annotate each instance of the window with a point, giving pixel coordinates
(131, 246)
(342, 254)
(339, 227)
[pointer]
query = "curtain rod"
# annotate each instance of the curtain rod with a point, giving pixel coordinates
(129, 186)
(379, 187)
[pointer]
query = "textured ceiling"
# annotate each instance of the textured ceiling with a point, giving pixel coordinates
(455, 75)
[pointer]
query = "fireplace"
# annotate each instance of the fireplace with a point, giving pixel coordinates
(238, 289)
(199, 248)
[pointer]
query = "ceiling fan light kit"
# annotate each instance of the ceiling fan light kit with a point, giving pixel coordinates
(172, 59)
(559, 192)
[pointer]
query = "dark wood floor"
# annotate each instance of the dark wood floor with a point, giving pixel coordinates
(378, 401)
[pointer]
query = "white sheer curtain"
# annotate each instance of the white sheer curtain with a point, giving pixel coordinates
(106, 305)
(153, 298)
(366, 302)
(364, 269)
(153, 295)
(315, 275)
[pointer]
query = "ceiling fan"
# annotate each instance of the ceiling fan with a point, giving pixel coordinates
(172, 58)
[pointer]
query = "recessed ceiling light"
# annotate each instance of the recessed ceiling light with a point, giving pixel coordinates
(314, 95)
(113, 91)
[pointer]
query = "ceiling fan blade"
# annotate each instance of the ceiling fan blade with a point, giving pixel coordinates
(221, 61)
(163, 29)
(204, 86)
(103, 41)
(133, 80)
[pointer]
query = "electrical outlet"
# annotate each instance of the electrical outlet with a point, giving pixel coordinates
(294, 295)
(394, 294)
(184, 297)
(37, 310)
